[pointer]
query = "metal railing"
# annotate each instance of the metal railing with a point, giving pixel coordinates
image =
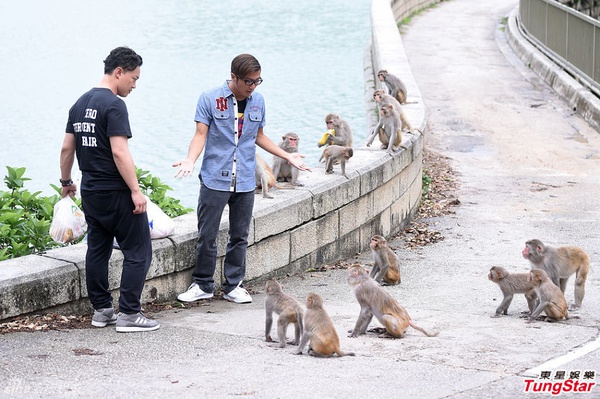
(569, 38)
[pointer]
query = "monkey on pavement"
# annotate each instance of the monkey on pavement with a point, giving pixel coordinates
(282, 170)
(342, 131)
(265, 179)
(510, 284)
(394, 84)
(560, 263)
(552, 300)
(389, 129)
(376, 301)
(381, 97)
(336, 154)
(289, 311)
(386, 266)
(319, 330)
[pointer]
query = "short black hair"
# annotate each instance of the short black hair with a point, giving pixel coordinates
(244, 64)
(123, 57)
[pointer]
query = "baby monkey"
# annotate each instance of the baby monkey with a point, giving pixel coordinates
(289, 311)
(335, 154)
(511, 284)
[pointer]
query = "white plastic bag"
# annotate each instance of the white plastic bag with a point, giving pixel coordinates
(68, 222)
(161, 225)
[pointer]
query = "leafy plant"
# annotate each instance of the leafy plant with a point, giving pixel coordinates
(25, 217)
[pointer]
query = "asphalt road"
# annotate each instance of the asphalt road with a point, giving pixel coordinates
(527, 167)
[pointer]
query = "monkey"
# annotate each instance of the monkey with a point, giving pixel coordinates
(265, 179)
(551, 299)
(389, 129)
(319, 330)
(510, 284)
(381, 97)
(289, 310)
(560, 263)
(336, 154)
(282, 170)
(386, 263)
(375, 301)
(394, 84)
(342, 131)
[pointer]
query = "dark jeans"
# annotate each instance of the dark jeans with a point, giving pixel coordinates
(109, 214)
(211, 204)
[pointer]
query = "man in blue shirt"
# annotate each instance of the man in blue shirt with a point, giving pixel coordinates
(229, 124)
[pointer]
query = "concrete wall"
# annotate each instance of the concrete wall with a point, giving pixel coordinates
(332, 217)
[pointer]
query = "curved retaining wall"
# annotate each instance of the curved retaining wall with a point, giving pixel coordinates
(332, 217)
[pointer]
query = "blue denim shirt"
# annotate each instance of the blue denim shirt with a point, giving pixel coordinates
(215, 109)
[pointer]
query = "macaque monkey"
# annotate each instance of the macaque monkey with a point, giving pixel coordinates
(510, 284)
(381, 97)
(375, 301)
(560, 263)
(342, 132)
(265, 179)
(319, 330)
(289, 311)
(394, 84)
(336, 154)
(389, 129)
(552, 300)
(282, 170)
(386, 266)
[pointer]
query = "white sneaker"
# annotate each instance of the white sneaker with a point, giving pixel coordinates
(238, 295)
(194, 293)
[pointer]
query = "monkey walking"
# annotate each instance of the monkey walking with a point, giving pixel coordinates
(265, 179)
(319, 330)
(511, 284)
(560, 264)
(386, 266)
(375, 301)
(289, 311)
(335, 154)
(282, 170)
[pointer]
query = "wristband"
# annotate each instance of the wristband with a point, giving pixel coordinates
(66, 183)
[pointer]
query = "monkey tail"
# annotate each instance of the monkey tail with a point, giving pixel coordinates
(300, 318)
(416, 327)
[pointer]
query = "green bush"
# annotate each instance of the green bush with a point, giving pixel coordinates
(25, 217)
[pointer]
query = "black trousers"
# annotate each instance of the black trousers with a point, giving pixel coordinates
(109, 214)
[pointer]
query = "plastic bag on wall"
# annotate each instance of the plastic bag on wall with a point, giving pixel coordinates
(68, 222)
(161, 225)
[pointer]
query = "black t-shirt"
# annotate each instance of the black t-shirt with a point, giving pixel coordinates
(97, 115)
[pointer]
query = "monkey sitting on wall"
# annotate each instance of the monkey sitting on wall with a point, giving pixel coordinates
(282, 170)
(341, 135)
(389, 130)
(265, 179)
(396, 87)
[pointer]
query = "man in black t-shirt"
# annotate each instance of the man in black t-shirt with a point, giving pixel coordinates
(98, 132)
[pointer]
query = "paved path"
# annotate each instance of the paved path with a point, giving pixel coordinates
(527, 168)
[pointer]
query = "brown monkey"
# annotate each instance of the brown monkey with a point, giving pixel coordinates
(394, 84)
(389, 129)
(265, 179)
(510, 284)
(282, 170)
(386, 263)
(381, 97)
(375, 301)
(319, 329)
(336, 154)
(552, 300)
(560, 263)
(342, 132)
(289, 311)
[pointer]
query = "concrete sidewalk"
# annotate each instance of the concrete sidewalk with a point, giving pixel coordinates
(527, 168)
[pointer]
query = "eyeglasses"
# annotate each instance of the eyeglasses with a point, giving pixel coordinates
(250, 82)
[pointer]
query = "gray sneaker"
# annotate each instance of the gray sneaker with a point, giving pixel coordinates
(104, 317)
(135, 322)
